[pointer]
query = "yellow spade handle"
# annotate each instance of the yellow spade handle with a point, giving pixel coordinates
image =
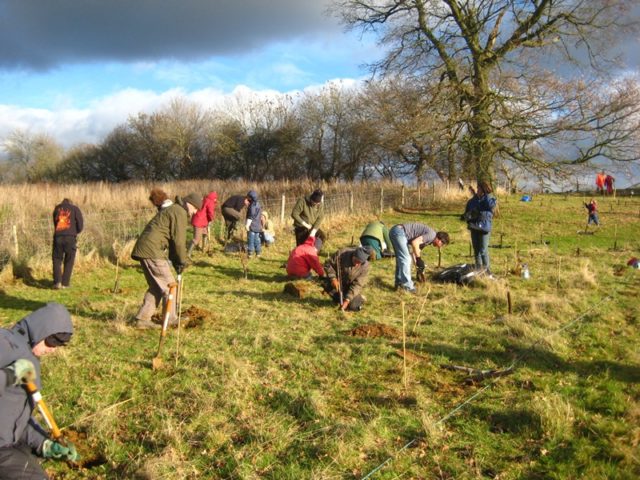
(32, 389)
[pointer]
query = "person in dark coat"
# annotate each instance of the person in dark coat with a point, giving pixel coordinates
(307, 214)
(347, 273)
(163, 239)
(67, 224)
(479, 216)
(21, 436)
(232, 213)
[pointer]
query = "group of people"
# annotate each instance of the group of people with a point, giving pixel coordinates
(163, 244)
(604, 183)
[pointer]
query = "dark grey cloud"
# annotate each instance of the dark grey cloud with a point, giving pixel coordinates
(41, 34)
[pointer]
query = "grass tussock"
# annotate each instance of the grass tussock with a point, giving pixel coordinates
(556, 414)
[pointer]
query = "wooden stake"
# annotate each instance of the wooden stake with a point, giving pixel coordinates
(509, 309)
(404, 349)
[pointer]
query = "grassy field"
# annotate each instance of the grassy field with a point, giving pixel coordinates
(272, 386)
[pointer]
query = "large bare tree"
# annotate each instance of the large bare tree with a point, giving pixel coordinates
(513, 65)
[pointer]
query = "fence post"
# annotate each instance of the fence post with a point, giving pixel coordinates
(419, 193)
(433, 188)
(402, 196)
(350, 201)
(381, 199)
(282, 208)
(14, 231)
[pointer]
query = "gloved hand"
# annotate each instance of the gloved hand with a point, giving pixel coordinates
(247, 225)
(19, 372)
(180, 268)
(345, 304)
(335, 284)
(420, 264)
(53, 449)
(313, 232)
(306, 225)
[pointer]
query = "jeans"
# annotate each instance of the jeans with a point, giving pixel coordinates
(253, 243)
(480, 243)
(403, 258)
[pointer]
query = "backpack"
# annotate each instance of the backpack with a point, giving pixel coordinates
(462, 274)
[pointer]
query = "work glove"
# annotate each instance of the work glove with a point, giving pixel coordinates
(180, 268)
(335, 284)
(248, 225)
(20, 372)
(313, 232)
(53, 449)
(306, 225)
(345, 304)
(420, 264)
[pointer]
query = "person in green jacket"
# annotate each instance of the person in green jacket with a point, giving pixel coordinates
(164, 239)
(376, 236)
(307, 214)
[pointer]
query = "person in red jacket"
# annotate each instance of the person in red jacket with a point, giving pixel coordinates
(304, 258)
(202, 218)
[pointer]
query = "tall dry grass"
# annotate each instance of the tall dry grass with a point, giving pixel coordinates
(116, 213)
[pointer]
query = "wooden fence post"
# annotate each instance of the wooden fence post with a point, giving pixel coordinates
(350, 201)
(402, 196)
(14, 231)
(282, 208)
(381, 199)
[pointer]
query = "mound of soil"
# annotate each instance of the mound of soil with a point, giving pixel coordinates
(190, 318)
(373, 330)
(298, 290)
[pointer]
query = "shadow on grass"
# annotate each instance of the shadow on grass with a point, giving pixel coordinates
(531, 356)
(15, 303)
(252, 274)
(283, 297)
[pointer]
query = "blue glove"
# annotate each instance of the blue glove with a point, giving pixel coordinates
(53, 449)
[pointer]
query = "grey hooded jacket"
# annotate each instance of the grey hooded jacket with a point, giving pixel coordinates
(16, 424)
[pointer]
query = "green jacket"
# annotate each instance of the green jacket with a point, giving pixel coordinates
(166, 231)
(304, 211)
(352, 278)
(380, 232)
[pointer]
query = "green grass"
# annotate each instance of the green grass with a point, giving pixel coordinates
(274, 387)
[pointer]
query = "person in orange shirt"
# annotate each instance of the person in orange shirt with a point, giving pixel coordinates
(600, 177)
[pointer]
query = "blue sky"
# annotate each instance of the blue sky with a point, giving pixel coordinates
(77, 68)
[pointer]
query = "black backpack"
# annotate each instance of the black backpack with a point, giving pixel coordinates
(462, 274)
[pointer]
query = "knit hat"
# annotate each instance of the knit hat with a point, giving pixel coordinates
(194, 199)
(362, 254)
(316, 196)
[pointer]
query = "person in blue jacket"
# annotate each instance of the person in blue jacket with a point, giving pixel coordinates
(253, 224)
(479, 216)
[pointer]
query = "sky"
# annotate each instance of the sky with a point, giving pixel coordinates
(75, 69)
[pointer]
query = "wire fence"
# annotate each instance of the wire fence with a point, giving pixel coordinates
(104, 231)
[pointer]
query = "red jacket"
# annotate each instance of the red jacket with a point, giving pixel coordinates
(303, 259)
(204, 216)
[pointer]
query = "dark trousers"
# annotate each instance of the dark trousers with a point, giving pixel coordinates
(231, 217)
(18, 463)
(64, 254)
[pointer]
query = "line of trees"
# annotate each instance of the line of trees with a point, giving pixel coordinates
(471, 89)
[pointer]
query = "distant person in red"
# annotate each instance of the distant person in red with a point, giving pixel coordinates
(67, 224)
(304, 258)
(600, 182)
(592, 208)
(202, 218)
(608, 183)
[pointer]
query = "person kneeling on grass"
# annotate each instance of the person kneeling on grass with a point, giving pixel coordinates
(347, 273)
(304, 258)
(37, 334)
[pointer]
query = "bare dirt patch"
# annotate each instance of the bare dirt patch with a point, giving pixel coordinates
(373, 330)
(190, 318)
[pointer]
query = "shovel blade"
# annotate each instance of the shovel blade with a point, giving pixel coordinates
(156, 363)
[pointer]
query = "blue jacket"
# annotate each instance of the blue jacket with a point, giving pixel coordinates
(479, 213)
(253, 212)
